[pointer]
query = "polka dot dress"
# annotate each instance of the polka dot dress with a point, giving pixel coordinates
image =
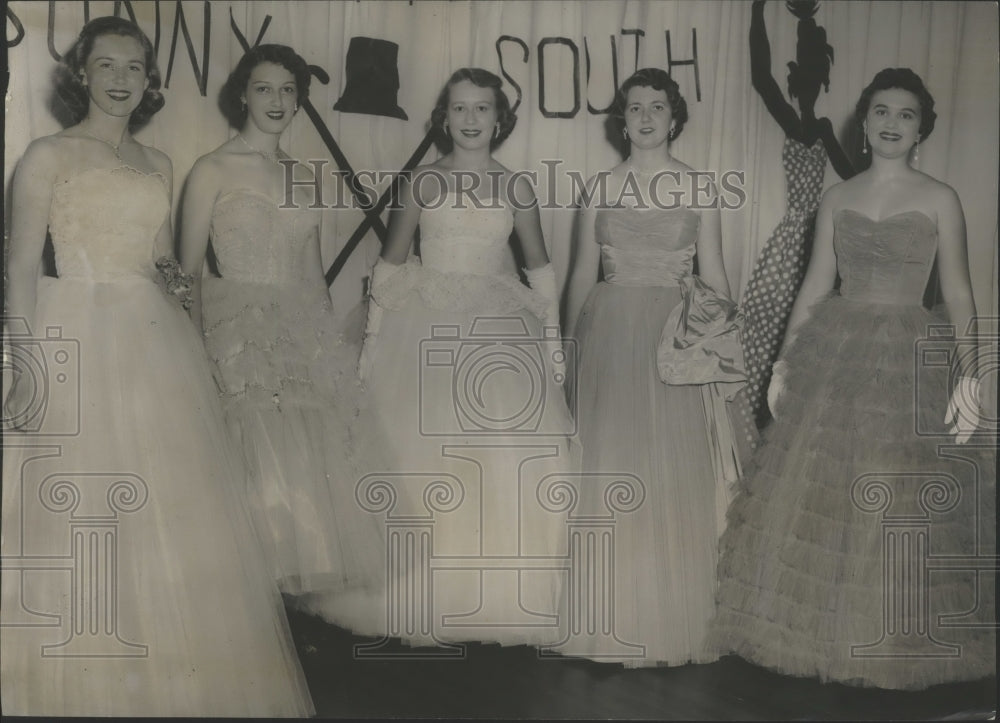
(778, 273)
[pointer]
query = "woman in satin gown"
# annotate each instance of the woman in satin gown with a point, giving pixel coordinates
(133, 583)
(871, 469)
(642, 227)
(289, 390)
(466, 386)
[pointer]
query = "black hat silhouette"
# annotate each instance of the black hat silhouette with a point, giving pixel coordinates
(372, 79)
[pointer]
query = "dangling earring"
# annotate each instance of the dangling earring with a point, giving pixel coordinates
(625, 133)
(864, 142)
(672, 133)
(296, 107)
(916, 154)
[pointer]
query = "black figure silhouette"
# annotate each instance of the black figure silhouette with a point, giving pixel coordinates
(780, 267)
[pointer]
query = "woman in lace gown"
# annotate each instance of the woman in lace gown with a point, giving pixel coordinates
(640, 230)
(464, 384)
(288, 386)
(858, 483)
(133, 584)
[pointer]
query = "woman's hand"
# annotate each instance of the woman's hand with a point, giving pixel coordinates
(779, 370)
(963, 414)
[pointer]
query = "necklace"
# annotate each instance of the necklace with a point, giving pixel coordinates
(271, 156)
(114, 146)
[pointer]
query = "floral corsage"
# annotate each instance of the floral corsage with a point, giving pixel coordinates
(178, 283)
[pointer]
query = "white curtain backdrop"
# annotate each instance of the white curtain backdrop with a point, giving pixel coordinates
(952, 45)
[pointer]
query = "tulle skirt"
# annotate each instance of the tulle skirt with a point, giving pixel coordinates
(840, 557)
(475, 424)
(631, 422)
(134, 585)
(291, 401)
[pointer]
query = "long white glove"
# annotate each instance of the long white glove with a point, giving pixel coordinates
(963, 414)
(543, 281)
(380, 274)
(777, 385)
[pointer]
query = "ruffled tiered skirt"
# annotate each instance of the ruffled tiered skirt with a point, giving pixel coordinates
(133, 583)
(841, 559)
(291, 402)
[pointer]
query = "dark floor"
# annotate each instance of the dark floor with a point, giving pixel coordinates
(495, 682)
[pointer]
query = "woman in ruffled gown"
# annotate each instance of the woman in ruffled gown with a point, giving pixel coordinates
(858, 485)
(133, 582)
(464, 384)
(287, 380)
(641, 229)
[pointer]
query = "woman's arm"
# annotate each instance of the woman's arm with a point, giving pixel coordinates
(528, 225)
(31, 198)
(711, 267)
(586, 262)
(200, 191)
(822, 272)
(403, 222)
(953, 271)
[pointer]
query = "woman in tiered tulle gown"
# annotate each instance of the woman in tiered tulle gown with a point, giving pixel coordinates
(463, 382)
(288, 385)
(641, 229)
(137, 586)
(859, 485)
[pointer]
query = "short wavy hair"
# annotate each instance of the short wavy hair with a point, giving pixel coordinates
(72, 98)
(656, 79)
(904, 79)
(230, 97)
(484, 79)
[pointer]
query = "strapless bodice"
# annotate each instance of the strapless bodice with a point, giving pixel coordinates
(887, 261)
(256, 241)
(104, 222)
(457, 236)
(654, 247)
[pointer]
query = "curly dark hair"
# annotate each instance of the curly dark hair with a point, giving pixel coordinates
(73, 100)
(656, 79)
(905, 79)
(231, 95)
(484, 79)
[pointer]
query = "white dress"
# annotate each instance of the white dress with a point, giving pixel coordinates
(290, 397)
(133, 584)
(475, 424)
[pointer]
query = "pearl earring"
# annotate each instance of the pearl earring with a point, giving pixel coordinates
(916, 154)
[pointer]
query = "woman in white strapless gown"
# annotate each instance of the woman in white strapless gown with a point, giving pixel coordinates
(466, 388)
(289, 390)
(133, 584)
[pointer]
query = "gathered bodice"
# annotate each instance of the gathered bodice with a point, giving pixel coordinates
(104, 222)
(887, 261)
(256, 241)
(653, 247)
(458, 236)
